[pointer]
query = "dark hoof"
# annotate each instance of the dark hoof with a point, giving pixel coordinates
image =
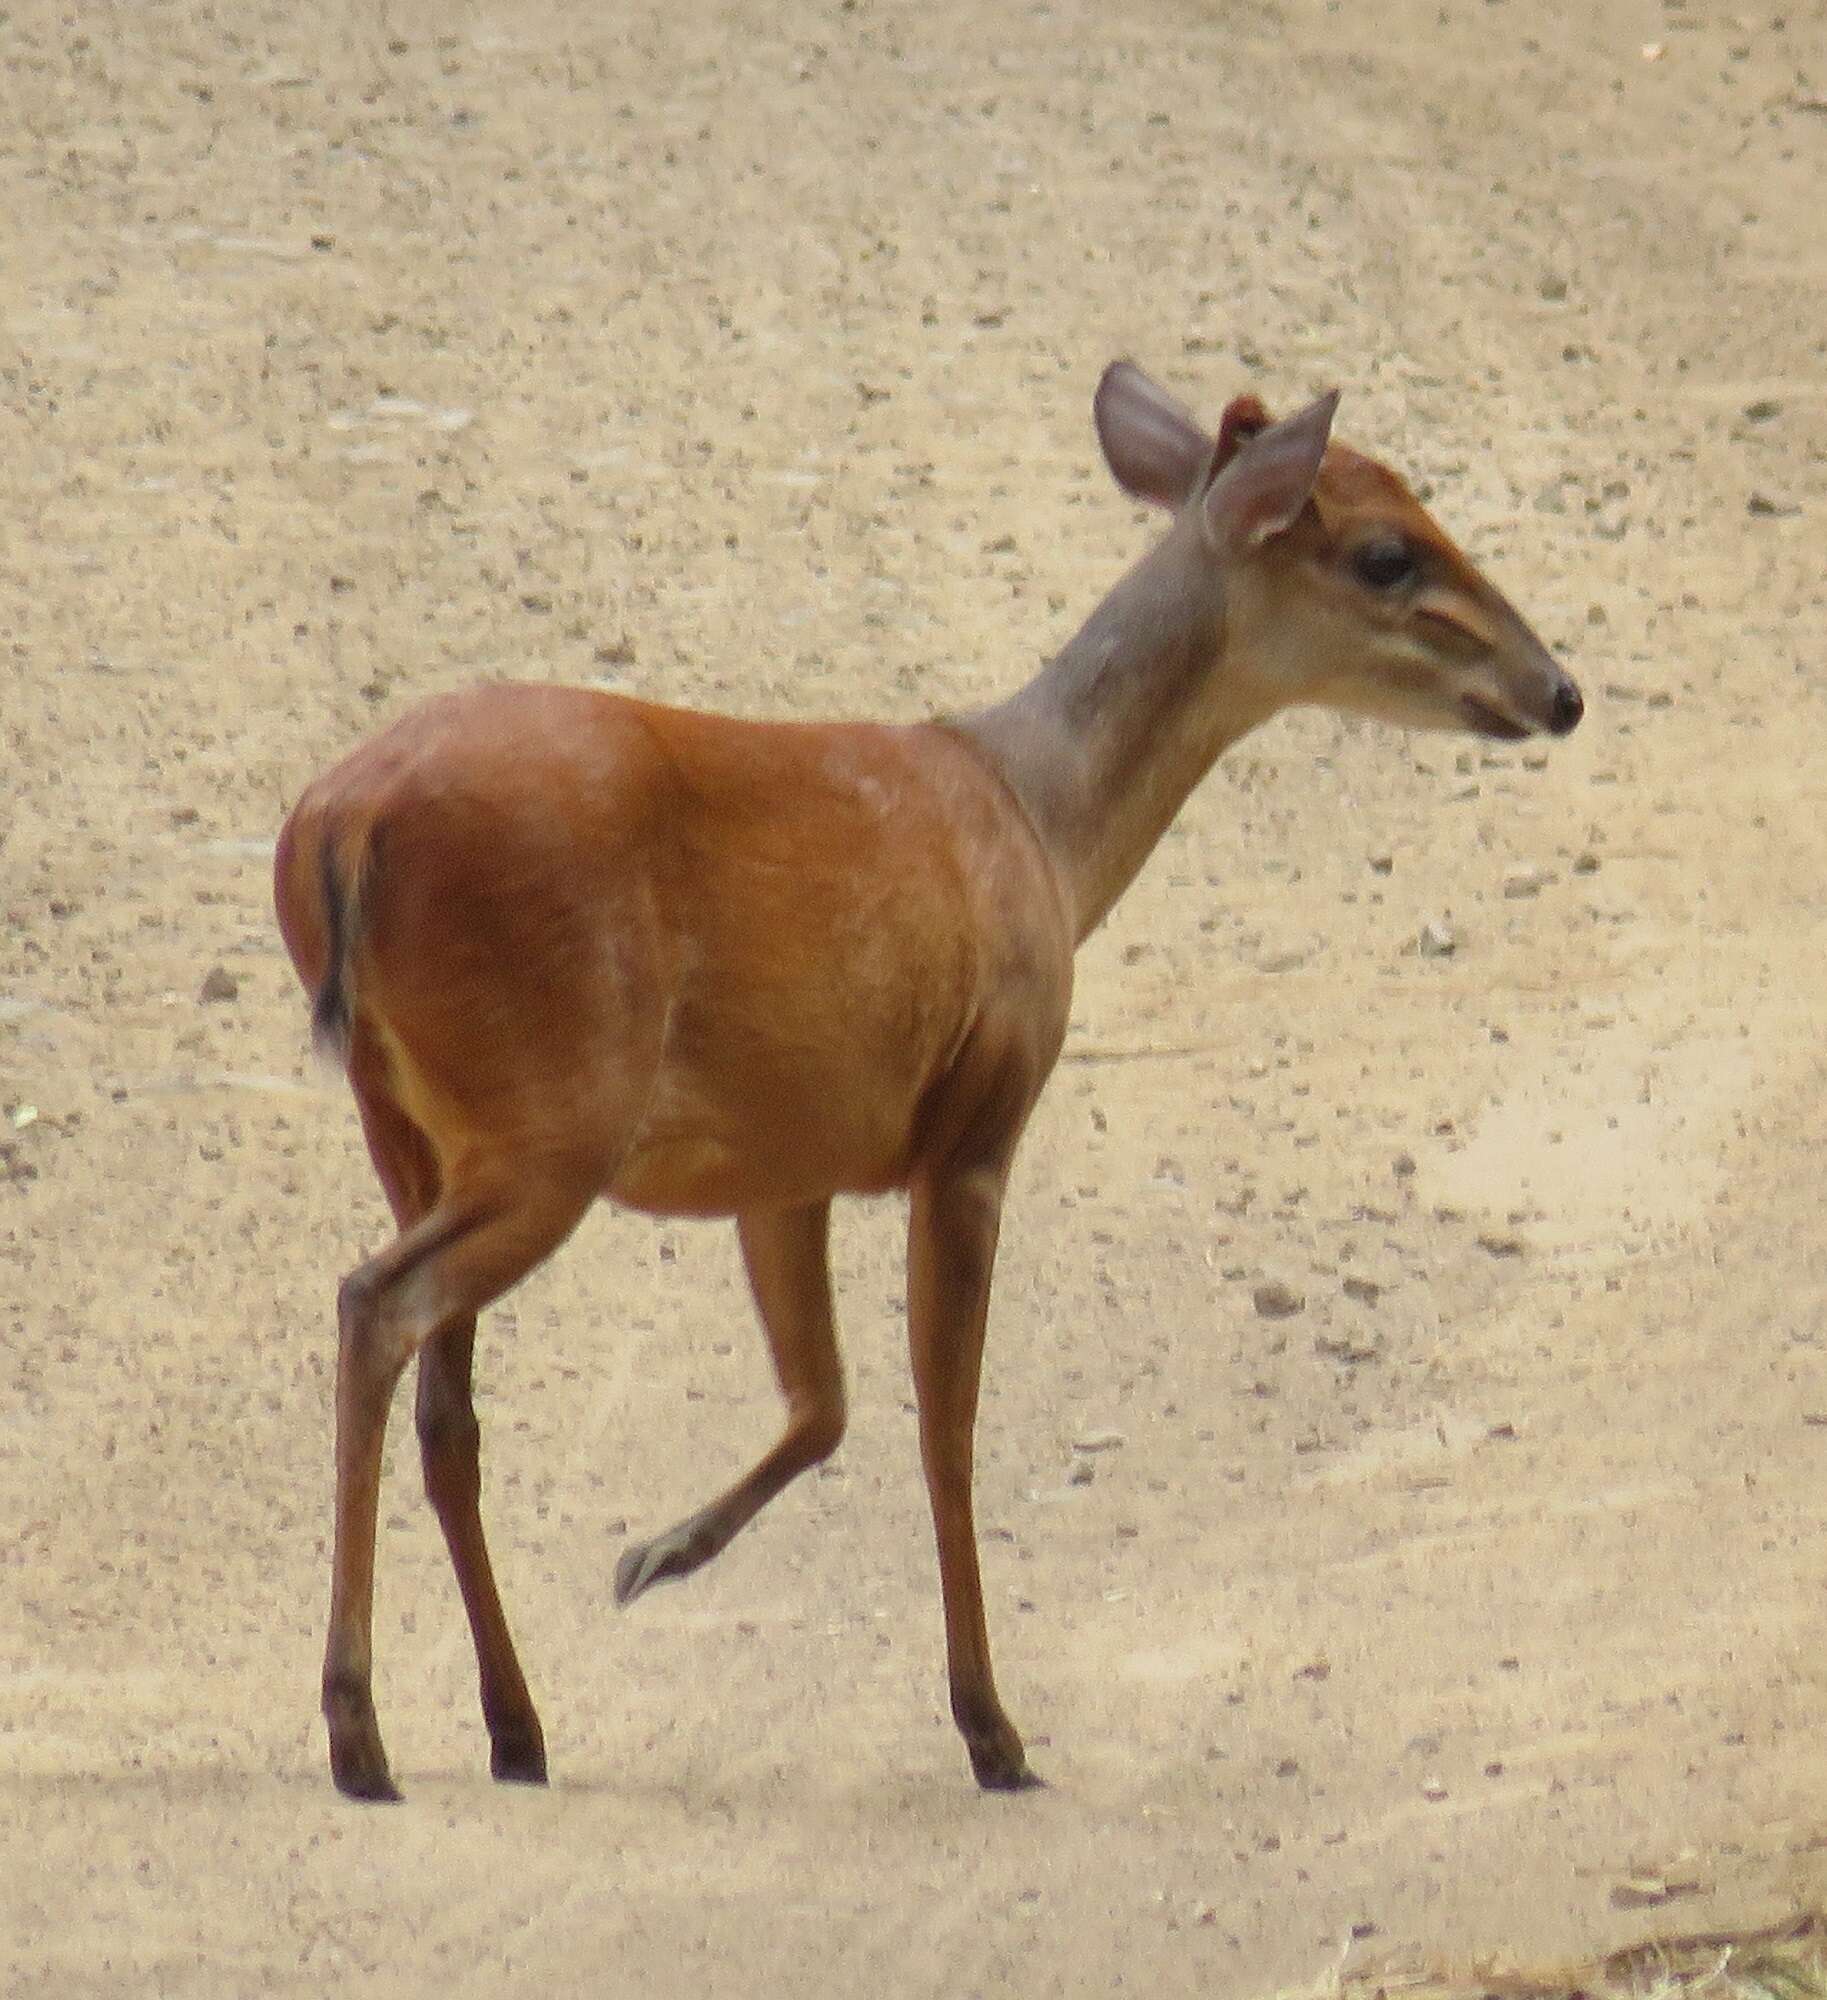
(357, 1761)
(517, 1761)
(1003, 1768)
(364, 1778)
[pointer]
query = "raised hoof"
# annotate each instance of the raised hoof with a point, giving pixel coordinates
(663, 1560)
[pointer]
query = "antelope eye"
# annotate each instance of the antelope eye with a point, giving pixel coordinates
(1385, 564)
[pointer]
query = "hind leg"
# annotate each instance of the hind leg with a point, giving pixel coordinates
(449, 1447)
(485, 1230)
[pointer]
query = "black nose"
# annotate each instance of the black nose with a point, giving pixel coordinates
(1569, 706)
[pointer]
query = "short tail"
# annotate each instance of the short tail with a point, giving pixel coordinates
(341, 878)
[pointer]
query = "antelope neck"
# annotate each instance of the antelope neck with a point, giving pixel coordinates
(1103, 746)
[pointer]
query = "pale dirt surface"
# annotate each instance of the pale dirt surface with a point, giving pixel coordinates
(743, 357)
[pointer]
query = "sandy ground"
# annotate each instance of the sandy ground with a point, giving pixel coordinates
(744, 357)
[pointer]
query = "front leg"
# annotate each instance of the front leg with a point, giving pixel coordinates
(786, 1253)
(951, 1247)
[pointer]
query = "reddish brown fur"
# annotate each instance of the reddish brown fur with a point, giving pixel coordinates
(684, 886)
(1243, 417)
(574, 946)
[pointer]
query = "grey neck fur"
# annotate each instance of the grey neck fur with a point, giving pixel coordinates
(1103, 746)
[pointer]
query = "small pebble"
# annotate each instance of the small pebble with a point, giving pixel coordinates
(1437, 939)
(219, 984)
(1350, 1352)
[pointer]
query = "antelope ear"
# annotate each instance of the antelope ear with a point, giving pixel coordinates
(1261, 492)
(1244, 418)
(1154, 448)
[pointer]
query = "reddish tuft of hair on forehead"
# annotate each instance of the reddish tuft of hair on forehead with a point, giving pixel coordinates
(1244, 416)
